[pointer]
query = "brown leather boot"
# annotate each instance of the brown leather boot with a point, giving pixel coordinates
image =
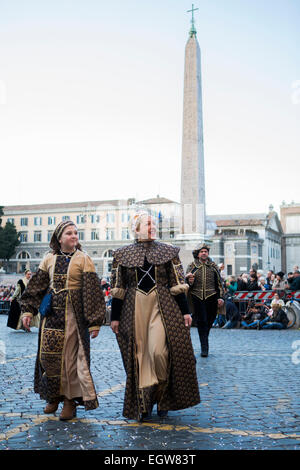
(68, 411)
(51, 407)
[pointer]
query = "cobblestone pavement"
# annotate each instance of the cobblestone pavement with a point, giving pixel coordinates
(249, 388)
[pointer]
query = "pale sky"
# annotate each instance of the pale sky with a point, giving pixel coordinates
(91, 98)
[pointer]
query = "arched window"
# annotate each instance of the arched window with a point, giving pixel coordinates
(23, 255)
(108, 254)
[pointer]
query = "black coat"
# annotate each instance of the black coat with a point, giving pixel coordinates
(15, 309)
(232, 313)
(252, 286)
(280, 317)
(241, 285)
(295, 285)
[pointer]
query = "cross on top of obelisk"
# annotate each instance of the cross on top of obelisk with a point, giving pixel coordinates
(193, 31)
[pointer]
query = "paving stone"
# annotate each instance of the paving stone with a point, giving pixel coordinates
(249, 393)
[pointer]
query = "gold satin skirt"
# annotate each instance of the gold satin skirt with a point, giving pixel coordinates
(151, 344)
(76, 380)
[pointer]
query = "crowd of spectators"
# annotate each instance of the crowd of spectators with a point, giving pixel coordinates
(106, 288)
(6, 292)
(256, 281)
(250, 314)
(6, 296)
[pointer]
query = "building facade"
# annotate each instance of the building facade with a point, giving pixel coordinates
(290, 219)
(238, 241)
(102, 226)
(249, 240)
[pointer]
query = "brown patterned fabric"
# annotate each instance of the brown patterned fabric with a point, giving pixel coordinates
(181, 390)
(92, 299)
(37, 287)
(134, 255)
(89, 308)
(176, 273)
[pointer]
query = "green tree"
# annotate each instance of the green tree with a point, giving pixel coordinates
(9, 240)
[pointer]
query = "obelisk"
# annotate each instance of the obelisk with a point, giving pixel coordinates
(192, 165)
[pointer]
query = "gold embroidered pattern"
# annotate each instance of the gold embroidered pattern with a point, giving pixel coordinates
(53, 341)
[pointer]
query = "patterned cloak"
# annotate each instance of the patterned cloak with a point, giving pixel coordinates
(181, 390)
(71, 281)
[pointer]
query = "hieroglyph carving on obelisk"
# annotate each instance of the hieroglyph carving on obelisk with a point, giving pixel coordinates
(192, 167)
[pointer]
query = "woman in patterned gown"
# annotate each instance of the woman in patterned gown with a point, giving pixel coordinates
(62, 370)
(152, 324)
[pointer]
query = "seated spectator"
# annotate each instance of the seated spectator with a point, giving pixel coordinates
(232, 314)
(277, 301)
(253, 316)
(279, 283)
(276, 319)
(295, 285)
(220, 319)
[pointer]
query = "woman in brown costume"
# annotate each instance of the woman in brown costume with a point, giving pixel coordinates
(62, 371)
(151, 320)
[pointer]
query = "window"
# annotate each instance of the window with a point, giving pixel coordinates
(110, 218)
(81, 235)
(51, 220)
(37, 237)
(24, 221)
(38, 221)
(229, 269)
(109, 267)
(108, 254)
(125, 234)
(23, 255)
(11, 220)
(24, 237)
(95, 235)
(95, 219)
(65, 217)
(125, 217)
(81, 219)
(49, 235)
(110, 234)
